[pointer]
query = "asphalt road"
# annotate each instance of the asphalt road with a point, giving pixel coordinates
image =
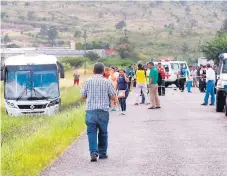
(181, 139)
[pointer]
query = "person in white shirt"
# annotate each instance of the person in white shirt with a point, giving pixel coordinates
(189, 81)
(210, 81)
(194, 75)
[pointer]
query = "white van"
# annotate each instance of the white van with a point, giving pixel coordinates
(171, 70)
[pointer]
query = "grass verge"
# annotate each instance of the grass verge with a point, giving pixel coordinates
(30, 143)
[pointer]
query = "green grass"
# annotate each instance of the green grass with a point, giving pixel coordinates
(29, 144)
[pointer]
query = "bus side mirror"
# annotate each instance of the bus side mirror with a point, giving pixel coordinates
(61, 69)
(2, 73)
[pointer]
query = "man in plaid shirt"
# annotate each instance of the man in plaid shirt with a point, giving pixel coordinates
(98, 91)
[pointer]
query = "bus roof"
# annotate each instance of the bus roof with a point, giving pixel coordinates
(31, 59)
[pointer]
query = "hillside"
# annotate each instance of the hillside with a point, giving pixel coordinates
(155, 28)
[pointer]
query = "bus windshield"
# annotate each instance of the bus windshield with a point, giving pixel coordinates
(33, 82)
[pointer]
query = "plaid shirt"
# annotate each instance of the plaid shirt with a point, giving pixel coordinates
(98, 91)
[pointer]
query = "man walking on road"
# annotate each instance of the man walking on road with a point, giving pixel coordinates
(155, 103)
(98, 91)
(210, 80)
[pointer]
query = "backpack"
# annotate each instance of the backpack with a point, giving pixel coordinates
(182, 72)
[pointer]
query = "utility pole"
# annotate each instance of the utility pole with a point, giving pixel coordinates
(85, 41)
(85, 48)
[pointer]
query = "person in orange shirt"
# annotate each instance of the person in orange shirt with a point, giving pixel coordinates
(113, 78)
(107, 72)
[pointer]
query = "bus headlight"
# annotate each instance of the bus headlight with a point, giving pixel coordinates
(11, 105)
(54, 102)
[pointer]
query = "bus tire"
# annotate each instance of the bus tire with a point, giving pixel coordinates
(220, 101)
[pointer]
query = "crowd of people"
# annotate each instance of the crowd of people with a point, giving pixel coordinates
(109, 89)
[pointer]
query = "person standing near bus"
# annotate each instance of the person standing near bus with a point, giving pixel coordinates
(76, 77)
(210, 83)
(161, 83)
(182, 77)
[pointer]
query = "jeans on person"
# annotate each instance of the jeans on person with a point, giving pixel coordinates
(123, 101)
(209, 91)
(181, 83)
(97, 120)
(142, 87)
(154, 96)
(161, 87)
(189, 85)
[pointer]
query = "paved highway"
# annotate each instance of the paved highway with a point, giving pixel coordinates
(181, 139)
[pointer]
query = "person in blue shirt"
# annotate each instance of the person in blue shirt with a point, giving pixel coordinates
(123, 90)
(130, 74)
(182, 77)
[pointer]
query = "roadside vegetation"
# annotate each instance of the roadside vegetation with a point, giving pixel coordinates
(29, 144)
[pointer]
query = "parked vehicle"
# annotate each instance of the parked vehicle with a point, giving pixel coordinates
(221, 84)
(31, 85)
(171, 70)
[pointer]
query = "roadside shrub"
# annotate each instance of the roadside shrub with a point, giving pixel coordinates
(74, 61)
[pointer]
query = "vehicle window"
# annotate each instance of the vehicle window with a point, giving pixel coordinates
(166, 68)
(175, 67)
(224, 68)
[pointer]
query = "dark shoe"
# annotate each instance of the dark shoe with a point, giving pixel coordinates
(93, 157)
(136, 104)
(158, 107)
(141, 103)
(152, 108)
(204, 104)
(163, 94)
(211, 104)
(103, 157)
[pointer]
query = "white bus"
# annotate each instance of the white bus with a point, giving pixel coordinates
(31, 85)
(171, 70)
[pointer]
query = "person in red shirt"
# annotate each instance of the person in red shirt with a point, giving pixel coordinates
(161, 80)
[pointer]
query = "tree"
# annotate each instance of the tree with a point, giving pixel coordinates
(92, 55)
(6, 39)
(77, 34)
(30, 15)
(184, 48)
(100, 15)
(27, 4)
(43, 30)
(214, 47)
(120, 25)
(52, 34)
(4, 15)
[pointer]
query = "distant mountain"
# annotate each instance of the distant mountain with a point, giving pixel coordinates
(149, 23)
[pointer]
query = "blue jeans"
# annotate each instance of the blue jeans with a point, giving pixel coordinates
(209, 91)
(189, 85)
(122, 101)
(97, 120)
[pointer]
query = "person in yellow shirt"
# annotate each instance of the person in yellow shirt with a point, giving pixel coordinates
(141, 84)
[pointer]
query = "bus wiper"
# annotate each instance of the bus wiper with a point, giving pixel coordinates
(42, 96)
(22, 93)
